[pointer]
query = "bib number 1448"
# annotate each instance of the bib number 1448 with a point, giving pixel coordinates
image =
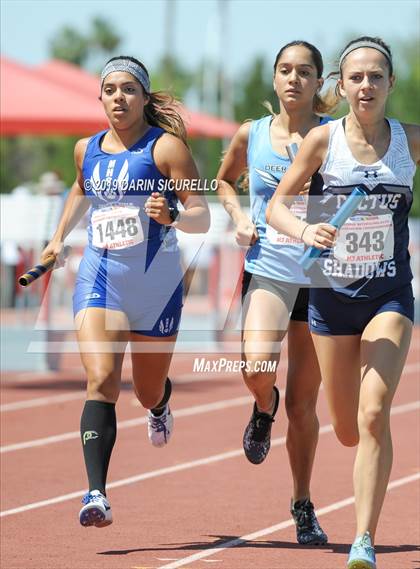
(123, 228)
(116, 228)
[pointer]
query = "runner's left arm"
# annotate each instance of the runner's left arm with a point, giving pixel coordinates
(174, 160)
(412, 132)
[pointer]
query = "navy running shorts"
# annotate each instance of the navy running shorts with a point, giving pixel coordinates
(330, 316)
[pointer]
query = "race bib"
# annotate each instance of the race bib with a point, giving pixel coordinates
(298, 209)
(366, 239)
(116, 227)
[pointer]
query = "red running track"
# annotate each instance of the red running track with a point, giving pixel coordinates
(196, 503)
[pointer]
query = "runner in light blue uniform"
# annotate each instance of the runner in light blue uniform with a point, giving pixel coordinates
(129, 286)
(272, 284)
(273, 255)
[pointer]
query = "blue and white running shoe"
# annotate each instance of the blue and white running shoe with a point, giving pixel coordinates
(159, 427)
(96, 510)
(362, 553)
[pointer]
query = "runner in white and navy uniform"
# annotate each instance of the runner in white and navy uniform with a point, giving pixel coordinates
(361, 309)
(273, 284)
(129, 286)
(356, 273)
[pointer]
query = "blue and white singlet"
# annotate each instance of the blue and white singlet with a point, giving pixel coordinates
(118, 186)
(131, 263)
(371, 256)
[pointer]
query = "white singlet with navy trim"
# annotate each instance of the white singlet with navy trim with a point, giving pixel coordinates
(371, 256)
(340, 168)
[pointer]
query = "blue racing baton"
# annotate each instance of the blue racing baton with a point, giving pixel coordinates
(338, 220)
(292, 150)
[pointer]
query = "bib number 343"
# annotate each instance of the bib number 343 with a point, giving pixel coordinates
(366, 239)
(116, 228)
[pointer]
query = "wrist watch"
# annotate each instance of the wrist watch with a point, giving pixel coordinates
(173, 215)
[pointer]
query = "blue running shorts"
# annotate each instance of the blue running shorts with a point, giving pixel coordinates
(152, 299)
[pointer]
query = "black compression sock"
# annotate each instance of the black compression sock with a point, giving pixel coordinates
(158, 410)
(98, 430)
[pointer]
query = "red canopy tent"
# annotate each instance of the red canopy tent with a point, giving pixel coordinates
(70, 76)
(32, 104)
(61, 98)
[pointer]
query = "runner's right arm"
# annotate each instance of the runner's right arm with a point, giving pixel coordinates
(74, 209)
(234, 163)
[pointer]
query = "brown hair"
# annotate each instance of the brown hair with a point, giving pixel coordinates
(321, 105)
(338, 73)
(379, 42)
(162, 110)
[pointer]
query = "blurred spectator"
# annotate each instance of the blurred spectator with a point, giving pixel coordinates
(50, 184)
(21, 191)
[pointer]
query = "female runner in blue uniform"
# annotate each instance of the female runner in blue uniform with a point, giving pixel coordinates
(129, 286)
(361, 317)
(273, 277)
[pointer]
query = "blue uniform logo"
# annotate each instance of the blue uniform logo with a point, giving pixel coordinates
(109, 189)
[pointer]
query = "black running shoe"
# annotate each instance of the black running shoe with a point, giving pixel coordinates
(308, 530)
(257, 435)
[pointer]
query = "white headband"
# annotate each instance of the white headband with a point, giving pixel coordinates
(130, 67)
(366, 43)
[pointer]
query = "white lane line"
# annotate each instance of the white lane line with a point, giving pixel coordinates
(187, 412)
(41, 401)
(64, 397)
(178, 380)
(406, 407)
(282, 525)
(198, 409)
(178, 468)
(37, 376)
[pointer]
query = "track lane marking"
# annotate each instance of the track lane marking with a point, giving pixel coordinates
(282, 525)
(186, 412)
(180, 380)
(40, 401)
(397, 410)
